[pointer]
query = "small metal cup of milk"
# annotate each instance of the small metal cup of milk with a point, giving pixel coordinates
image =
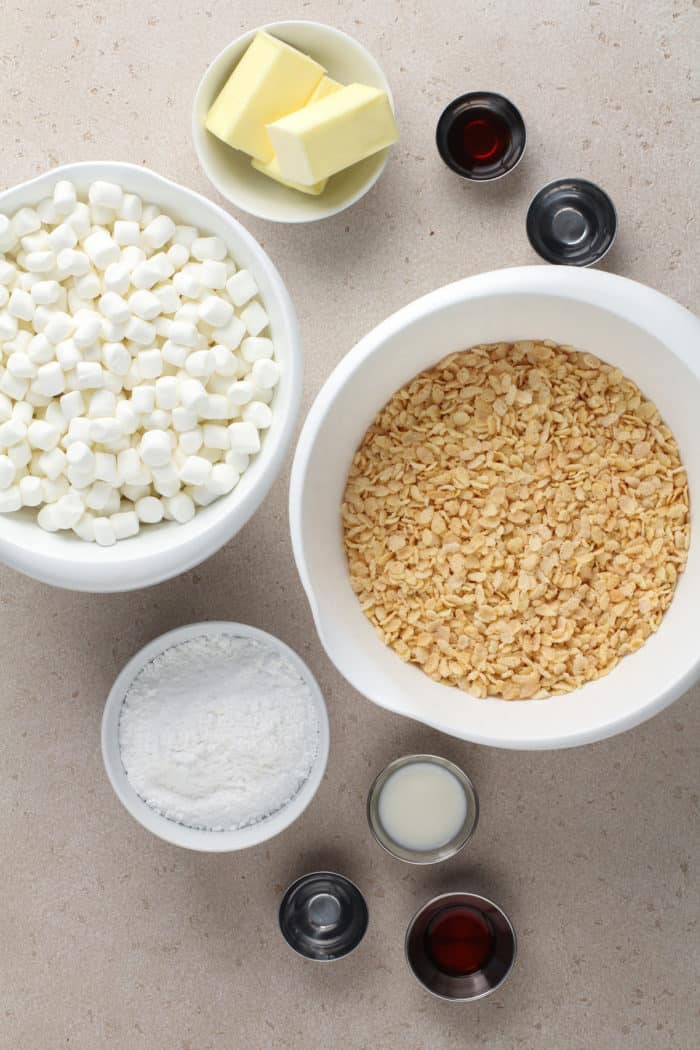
(422, 809)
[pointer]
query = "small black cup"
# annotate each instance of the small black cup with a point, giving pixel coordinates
(481, 136)
(571, 222)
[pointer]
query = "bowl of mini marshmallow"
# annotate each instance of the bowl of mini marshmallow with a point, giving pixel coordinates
(150, 377)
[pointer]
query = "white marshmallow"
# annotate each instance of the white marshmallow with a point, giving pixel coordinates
(62, 237)
(8, 472)
(238, 460)
(80, 219)
(223, 479)
(150, 363)
(216, 436)
(85, 528)
(8, 272)
(125, 523)
(89, 375)
(21, 305)
(58, 326)
(40, 262)
(215, 311)
(265, 373)
(116, 357)
(23, 412)
(244, 437)
(20, 366)
(114, 308)
(25, 221)
(191, 441)
(174, 354)
(158, 232)
(88, 331)
(187, 284)
(126, 232)
(145, 274)
(144, 304)
(167, 392)
(127, 416)
(241, 392)
(213, 274)
(102, 403)
(13, 386)
(65, 197)
(8, 326)
(30, 491)
(180, 507)
(166, 481)
(231, 334)
(50, 380)
(140, 331)
(254, 317)
(67, 355)
(241, 287)
(68, 510)
(184, 419)
(149, 510)
(43, 435)
(105, 430)
(105, 533)
(258, 413)
(155, 448)
(167, 296)
(208, 248)
(20, 454)
(184, 333)
(131, 468)
(186, 235)
(72, 404)
(217, 407)
(107, 194)
(45, 293)
(130, 208)
(53, 488)
(106, 467)
(178, 255)
(201, 363)
(89, 286)
(143, 399)
(117, 278)
(195, 470)
(101, 249)
(12, 432)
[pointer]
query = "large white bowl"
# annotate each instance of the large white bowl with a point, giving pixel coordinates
(171, 830)
(165, 550)
(653, 339)
(231, 172)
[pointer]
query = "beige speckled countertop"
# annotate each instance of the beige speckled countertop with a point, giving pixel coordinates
(110, 938)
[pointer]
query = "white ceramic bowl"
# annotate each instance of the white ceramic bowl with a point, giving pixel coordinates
(231, 172)
(165, 550)
(171, 830)
(651, 338)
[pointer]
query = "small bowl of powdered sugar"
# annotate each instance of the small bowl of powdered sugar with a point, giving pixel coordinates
(215, 736)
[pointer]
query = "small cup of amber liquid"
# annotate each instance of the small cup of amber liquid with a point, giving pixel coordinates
(481, 136)
(461, 946)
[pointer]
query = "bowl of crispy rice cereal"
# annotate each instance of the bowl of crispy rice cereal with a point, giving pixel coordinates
(491, 508)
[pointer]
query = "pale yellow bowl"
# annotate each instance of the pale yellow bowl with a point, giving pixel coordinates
(230, 170)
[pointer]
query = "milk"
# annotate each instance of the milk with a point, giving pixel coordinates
(422, 806)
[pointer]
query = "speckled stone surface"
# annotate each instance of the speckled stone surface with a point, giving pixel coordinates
(111, 938)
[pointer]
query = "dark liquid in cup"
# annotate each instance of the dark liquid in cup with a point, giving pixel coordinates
(479, 139)
(459, 941)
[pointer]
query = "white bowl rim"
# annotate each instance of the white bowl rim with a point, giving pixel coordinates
(198, 132)
(69, 569)
(632, 300)
(169, 830)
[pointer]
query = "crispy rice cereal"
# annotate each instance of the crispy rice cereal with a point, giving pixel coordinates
(515, 520)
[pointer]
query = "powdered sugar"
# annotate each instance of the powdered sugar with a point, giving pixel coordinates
(218, 732)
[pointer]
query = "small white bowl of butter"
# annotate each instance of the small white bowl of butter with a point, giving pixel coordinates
(231, 171)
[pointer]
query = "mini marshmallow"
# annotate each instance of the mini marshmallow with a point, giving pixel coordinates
(8, 326)
(40, 262)
(53, 488)
(158, 232)
(107, 194)
(168, 298)
(106, 467)
(187, 284)
(163, 264)
(208, 248)
(117, 278)
(201, 494)
(25, 221)
(174, 354)
(80, 220)
(192, 394)
(149, 510)
(72, 404)
(258, 413)
(20, 366)
(244, 437)
(184, 419)
(216, 407)
(265, 373)
(8, 238)
(88, 286)
(144, 304)
(191, 441)
(143, 399)
(201, 363)
(155, 448)
(140, 331)
(102, 403)
(68, 510)
(81, 456)
(231, 334)
(195, 470)
(101, 249)
(162, 326)
(50, 380)
(12, 432)
(222, 479)
(8, 472)
(14, 387)
(166, 481)
(216, 436)
(46, 519)
(40, 350)
(241, 392)
(85, 528)
(105, 533)
(184, 333)
(45, 293)
(4, 295)
(150, 363)
(67, 355)
(254, 317)
(114, 308)
(213, 274)
(180, 507)
(130, 467)
(105, 430)
(64, 197)
(58, 326)
(167, 392)
(126, 232)
(186, 235)
(227, 364)
(125, 523)
(127, 416)
(43, 435)
(241, 287)
(52, 463)
(21, 305)
(215, 311)
(30, 491)
(238, 460)
(88, 331)
(23, 412)
(89, 375)
(48, 212)
(158, 419)
(178, 255)
(130, 208)
(62, 237)
(20, 454)
(145, 274)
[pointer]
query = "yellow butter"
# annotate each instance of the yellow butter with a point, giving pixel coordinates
(272, 170)
(326, 136)
(271, 80)
(325, 87)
